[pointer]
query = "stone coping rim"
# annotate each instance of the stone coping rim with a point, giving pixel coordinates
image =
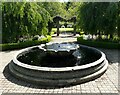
(102, 58)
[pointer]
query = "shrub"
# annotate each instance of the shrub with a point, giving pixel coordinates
(11, 46)
(36, 37)
(99, 44)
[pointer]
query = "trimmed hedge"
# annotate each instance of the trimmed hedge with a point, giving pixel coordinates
(99, 44)
(11, 46)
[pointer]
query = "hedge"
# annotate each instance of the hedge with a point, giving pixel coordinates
(11, 46)
(99, 44)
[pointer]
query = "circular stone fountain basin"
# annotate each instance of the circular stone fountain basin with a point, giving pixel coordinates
(37, 66)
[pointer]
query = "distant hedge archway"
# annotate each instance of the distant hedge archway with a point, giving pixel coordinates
(56, 20)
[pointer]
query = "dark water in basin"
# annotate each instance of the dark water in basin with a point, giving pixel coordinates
(38, 57)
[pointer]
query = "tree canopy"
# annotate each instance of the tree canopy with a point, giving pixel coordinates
(23, 18)
(118, 20)
(35, 18)
(71, 9)
(94, 17)
(54, 8)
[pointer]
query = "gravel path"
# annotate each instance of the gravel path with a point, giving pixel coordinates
(107, 83)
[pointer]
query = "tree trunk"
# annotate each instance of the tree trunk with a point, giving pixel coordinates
(74, 27)
(50, 25)
(111, 36)
(58, 32)
(99, 35)
(74, 30)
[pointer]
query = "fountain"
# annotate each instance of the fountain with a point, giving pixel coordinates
(58, 64)
(58, 49)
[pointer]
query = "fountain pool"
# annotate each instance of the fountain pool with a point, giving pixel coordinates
(58, 64)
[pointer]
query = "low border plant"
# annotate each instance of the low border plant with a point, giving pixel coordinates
(12, 46)
(99, 44)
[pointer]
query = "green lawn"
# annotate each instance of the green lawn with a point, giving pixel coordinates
(62, 29)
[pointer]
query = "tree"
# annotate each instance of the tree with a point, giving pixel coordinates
(86, 17)
(56, 20)
(111, 15)
(94, 17)
(118, 20)
(71, 9)
(22, 19)
(54, 8)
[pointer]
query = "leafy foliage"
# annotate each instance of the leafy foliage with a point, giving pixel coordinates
(54, 8)
(94, 17)
(118, 20)
(99, 44)
(71, 9)
(22, 19)
(26, 19)
(11, 46)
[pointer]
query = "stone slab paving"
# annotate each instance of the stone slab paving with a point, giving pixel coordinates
(107, 84)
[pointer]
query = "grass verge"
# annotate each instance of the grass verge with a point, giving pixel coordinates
(62, 29)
